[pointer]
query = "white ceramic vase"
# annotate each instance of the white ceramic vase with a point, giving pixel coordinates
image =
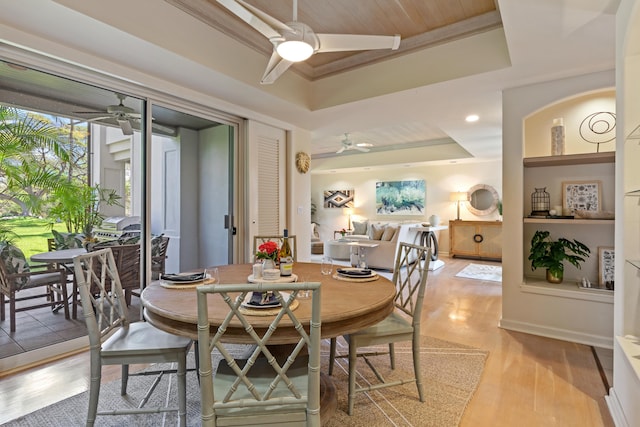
(434, 220)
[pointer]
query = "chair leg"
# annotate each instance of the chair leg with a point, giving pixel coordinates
(12, 312)
(65, 299)
(2, 307)
(125, 380)
(415, 346)
(353, 358)
(332, 355)
(94, 391)
(196, 353)
(392, 356)
(182, 389)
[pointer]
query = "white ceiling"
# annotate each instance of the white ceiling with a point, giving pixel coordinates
(383, 104)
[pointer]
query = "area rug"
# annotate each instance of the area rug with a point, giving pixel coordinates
(450, 372)
(491, 273)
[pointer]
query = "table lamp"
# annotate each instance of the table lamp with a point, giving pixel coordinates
(459, 196)
(348, 212)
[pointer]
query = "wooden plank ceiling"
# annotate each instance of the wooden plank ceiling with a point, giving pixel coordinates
(420, 23)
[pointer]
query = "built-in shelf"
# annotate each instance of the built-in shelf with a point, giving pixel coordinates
(571, 290)
(630, 347)
(578, 221)
(570, 159)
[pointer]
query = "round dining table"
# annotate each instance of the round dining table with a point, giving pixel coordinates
(346, 307)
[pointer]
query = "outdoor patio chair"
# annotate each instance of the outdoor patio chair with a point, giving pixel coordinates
(16, 276)
(401, 325)
(115, 341)
(265, 389)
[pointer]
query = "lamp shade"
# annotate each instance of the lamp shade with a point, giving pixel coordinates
(459, 196)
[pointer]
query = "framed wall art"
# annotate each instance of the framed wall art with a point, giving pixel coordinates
(338, 198)
(400, 197)
(581, 195)
(606, 261)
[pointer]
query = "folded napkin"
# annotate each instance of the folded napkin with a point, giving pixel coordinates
(258, 300)
(183, 277)
(355, 271)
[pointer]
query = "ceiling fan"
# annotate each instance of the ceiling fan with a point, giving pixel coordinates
(295, 41)
(348, 144)
(124, 116)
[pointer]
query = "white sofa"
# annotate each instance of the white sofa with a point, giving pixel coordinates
(384, 255)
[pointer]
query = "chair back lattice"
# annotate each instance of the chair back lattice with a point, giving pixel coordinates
(101, 294)
(258, 240)
(274, 386)
(410, 278)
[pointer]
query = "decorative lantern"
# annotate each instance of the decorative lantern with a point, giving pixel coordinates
(540, 202)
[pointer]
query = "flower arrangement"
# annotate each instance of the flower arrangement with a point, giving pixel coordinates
(268, 250)
(343, 232)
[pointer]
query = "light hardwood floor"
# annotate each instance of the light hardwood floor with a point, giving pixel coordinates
(527, 381)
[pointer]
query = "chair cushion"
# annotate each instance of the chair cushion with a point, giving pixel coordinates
(15, 263)
(67, 240)
(42, 279)
(155, 245)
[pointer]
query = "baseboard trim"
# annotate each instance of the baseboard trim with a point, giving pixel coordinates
(557, 333)
(19, 362)
(615, 409)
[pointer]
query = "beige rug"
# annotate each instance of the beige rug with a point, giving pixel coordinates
(451, 373)
(492, 273)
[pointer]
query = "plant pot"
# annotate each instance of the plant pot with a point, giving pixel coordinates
(551, 278)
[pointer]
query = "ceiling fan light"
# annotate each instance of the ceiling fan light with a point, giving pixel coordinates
(294, 50)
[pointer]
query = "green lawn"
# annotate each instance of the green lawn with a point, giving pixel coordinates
(32, 233)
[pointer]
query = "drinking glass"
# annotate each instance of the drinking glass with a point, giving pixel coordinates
(212, 275)
(327, 266)
(304, 293)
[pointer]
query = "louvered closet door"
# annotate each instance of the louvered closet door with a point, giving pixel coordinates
(267, 178)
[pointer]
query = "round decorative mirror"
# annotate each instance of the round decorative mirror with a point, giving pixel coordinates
(483, 199)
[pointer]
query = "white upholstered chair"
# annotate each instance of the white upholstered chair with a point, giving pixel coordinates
(115, 341)
(403, 324)
(263, 389)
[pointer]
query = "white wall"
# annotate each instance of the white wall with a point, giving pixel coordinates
(441, 180)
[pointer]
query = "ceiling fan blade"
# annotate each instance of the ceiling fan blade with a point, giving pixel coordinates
(125, 125)
(164, 129)
(345, 42)
(363, 149)
(254, 17)
(275, 68)
(93, 119)
(341, 150)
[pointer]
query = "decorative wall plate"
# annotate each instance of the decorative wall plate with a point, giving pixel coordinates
(303, 161)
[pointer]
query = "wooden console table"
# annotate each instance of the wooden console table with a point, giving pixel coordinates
(476, 239)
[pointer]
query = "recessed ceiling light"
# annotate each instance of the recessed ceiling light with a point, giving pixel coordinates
(472, 118)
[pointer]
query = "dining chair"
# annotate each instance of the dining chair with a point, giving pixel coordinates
(410, 279)
(114, 340)
(17, 276)
(159, 246)
(258, 240)
(265, 389)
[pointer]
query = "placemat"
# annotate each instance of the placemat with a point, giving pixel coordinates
(356, 279)
(170, 285)
(265, 311)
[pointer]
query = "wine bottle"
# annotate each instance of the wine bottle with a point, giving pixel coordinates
(285, 255)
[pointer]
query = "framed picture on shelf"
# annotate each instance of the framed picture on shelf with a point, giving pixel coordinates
(581, 195)
(606, 260)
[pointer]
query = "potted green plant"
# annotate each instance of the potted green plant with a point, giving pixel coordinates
(549, 254)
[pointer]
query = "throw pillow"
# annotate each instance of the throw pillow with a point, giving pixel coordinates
(359, 227)
(67, 240)
(389, 233)
(15, 263)
(377, 230)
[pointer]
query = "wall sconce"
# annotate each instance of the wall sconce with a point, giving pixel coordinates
(459, 196)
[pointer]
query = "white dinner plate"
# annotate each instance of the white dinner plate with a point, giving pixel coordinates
(245, 303)
(185, 282)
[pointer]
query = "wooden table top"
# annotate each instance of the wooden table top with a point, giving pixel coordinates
(346, 306)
